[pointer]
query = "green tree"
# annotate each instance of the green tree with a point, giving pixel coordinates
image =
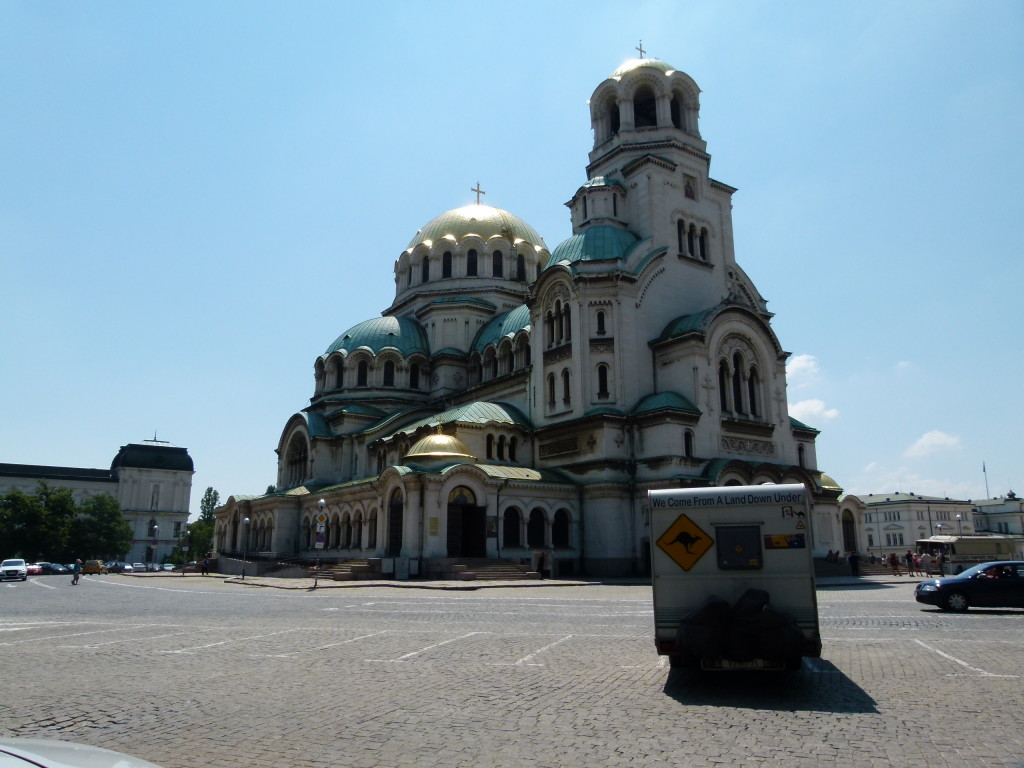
(100, 529)
(21, 523)
(209, 503)
(59, 513)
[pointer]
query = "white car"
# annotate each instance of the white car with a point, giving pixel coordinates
(47, 753)
(13, 569)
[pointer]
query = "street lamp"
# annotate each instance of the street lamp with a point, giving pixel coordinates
(959, 530)
(155, 529)
(319, 544)
(245, 543)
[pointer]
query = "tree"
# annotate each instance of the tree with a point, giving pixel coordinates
(209, 503)
(100, 530)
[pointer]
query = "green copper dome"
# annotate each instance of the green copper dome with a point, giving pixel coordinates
(400, 333)
(595, 243)
(481, 220)
(507, 324)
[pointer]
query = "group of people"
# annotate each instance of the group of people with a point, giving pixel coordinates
(916, 563)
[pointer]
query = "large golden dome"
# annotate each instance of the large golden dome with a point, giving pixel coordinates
(439, 446)
(481, 220)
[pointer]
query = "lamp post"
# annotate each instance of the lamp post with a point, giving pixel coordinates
(245, 543)
(959, 530)
(184, 549)
(319, 541)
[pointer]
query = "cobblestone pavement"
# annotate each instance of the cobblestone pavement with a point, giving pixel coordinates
(204, 672)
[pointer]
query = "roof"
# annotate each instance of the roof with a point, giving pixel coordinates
(153, 454)
(481, 220)
(601, 242)
(507, 324)
(472, 413)
(665, 401)
(631, 64)
(43, 472)
(400, 333)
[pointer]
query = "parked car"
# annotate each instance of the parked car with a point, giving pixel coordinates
(138, 566)
(35, 569)
(996, 584)
(167, 567)
(94, 566)
(54, 568)
(15, 568)
(119, 567)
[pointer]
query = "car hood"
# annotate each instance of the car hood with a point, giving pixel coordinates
(50, 753)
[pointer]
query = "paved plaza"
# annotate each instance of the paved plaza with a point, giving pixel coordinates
(196, 672)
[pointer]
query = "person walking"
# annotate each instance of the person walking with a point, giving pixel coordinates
(205, 565)
(76, 571)
(894, 563)
(940, 563)
(909, 560)
(854, 560)
(926, 563)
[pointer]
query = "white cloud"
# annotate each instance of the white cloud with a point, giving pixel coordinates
(802, 370)
(810, 411)
(932, 442)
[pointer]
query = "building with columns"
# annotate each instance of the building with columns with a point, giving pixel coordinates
(518, 402)
(151, 480)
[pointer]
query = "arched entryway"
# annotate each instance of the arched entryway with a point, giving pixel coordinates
(467, 525)
(396, 513)
(849, 532)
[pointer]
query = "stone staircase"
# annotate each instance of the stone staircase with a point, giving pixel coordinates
(823, 568)
(352, 570)
(483, 569)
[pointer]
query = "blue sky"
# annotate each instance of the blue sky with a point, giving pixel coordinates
(197, 198)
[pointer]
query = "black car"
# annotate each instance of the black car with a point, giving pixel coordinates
(54, 568)
(998, 584)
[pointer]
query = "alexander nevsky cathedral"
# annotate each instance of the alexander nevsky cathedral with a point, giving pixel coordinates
(516, 403)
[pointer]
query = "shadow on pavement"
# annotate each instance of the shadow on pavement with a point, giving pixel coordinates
(819, 686)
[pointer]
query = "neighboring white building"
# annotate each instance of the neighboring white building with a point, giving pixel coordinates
(516, 399)
(1002, 514)
(151, 480)
(880, 523)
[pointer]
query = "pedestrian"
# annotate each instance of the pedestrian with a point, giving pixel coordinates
(940, 563)
(205, 566)
(917, 564)
(894, 563)
(909, 560)
(76, 571)
(926, 563)
(854, 560)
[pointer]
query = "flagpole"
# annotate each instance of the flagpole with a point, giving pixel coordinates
(985, 473)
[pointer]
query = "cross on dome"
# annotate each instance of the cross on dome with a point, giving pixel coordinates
(478, 192)
(639, 48)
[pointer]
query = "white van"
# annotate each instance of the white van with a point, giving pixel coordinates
(734, 577)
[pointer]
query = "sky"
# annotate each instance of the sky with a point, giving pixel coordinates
(197, 198)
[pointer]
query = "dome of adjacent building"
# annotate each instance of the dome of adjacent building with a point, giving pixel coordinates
(481, 220)
(507, 324)
(595, 243)
(438, 446)
(400, 333)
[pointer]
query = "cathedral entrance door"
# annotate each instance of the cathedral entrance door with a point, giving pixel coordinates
(467, 525)
(396, 513)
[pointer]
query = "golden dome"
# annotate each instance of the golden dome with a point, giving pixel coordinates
(439, 446)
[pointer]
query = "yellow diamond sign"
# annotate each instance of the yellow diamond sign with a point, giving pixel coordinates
(685, 542)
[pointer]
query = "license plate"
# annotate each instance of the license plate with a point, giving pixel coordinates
(734, 666)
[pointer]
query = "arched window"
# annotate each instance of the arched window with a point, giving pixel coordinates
(703, 243)
(501, 448)
(490, 446)
(601, 331)
(511, 528)
(737, 384)
(497, 265)
(559, 323)
(723, 386)
(585, 208)
(614, 120)
(389, 373)
(560, 530)
(691, 235)
(339, 375)
(408, 276)
(295, 461)
(414, 376)
(494, 365)
(753, 385)
(513, 443)
(520, 267)
(645, 109)
(800, 456)
(681, 235)
(425, 270)
(602, 380)
(551, 389)
(675, 113)
(688, 444)
(363, 374)
(565, 385)
(446, 264)
(471, 263)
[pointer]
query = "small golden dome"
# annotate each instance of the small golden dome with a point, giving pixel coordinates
(439, 446)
